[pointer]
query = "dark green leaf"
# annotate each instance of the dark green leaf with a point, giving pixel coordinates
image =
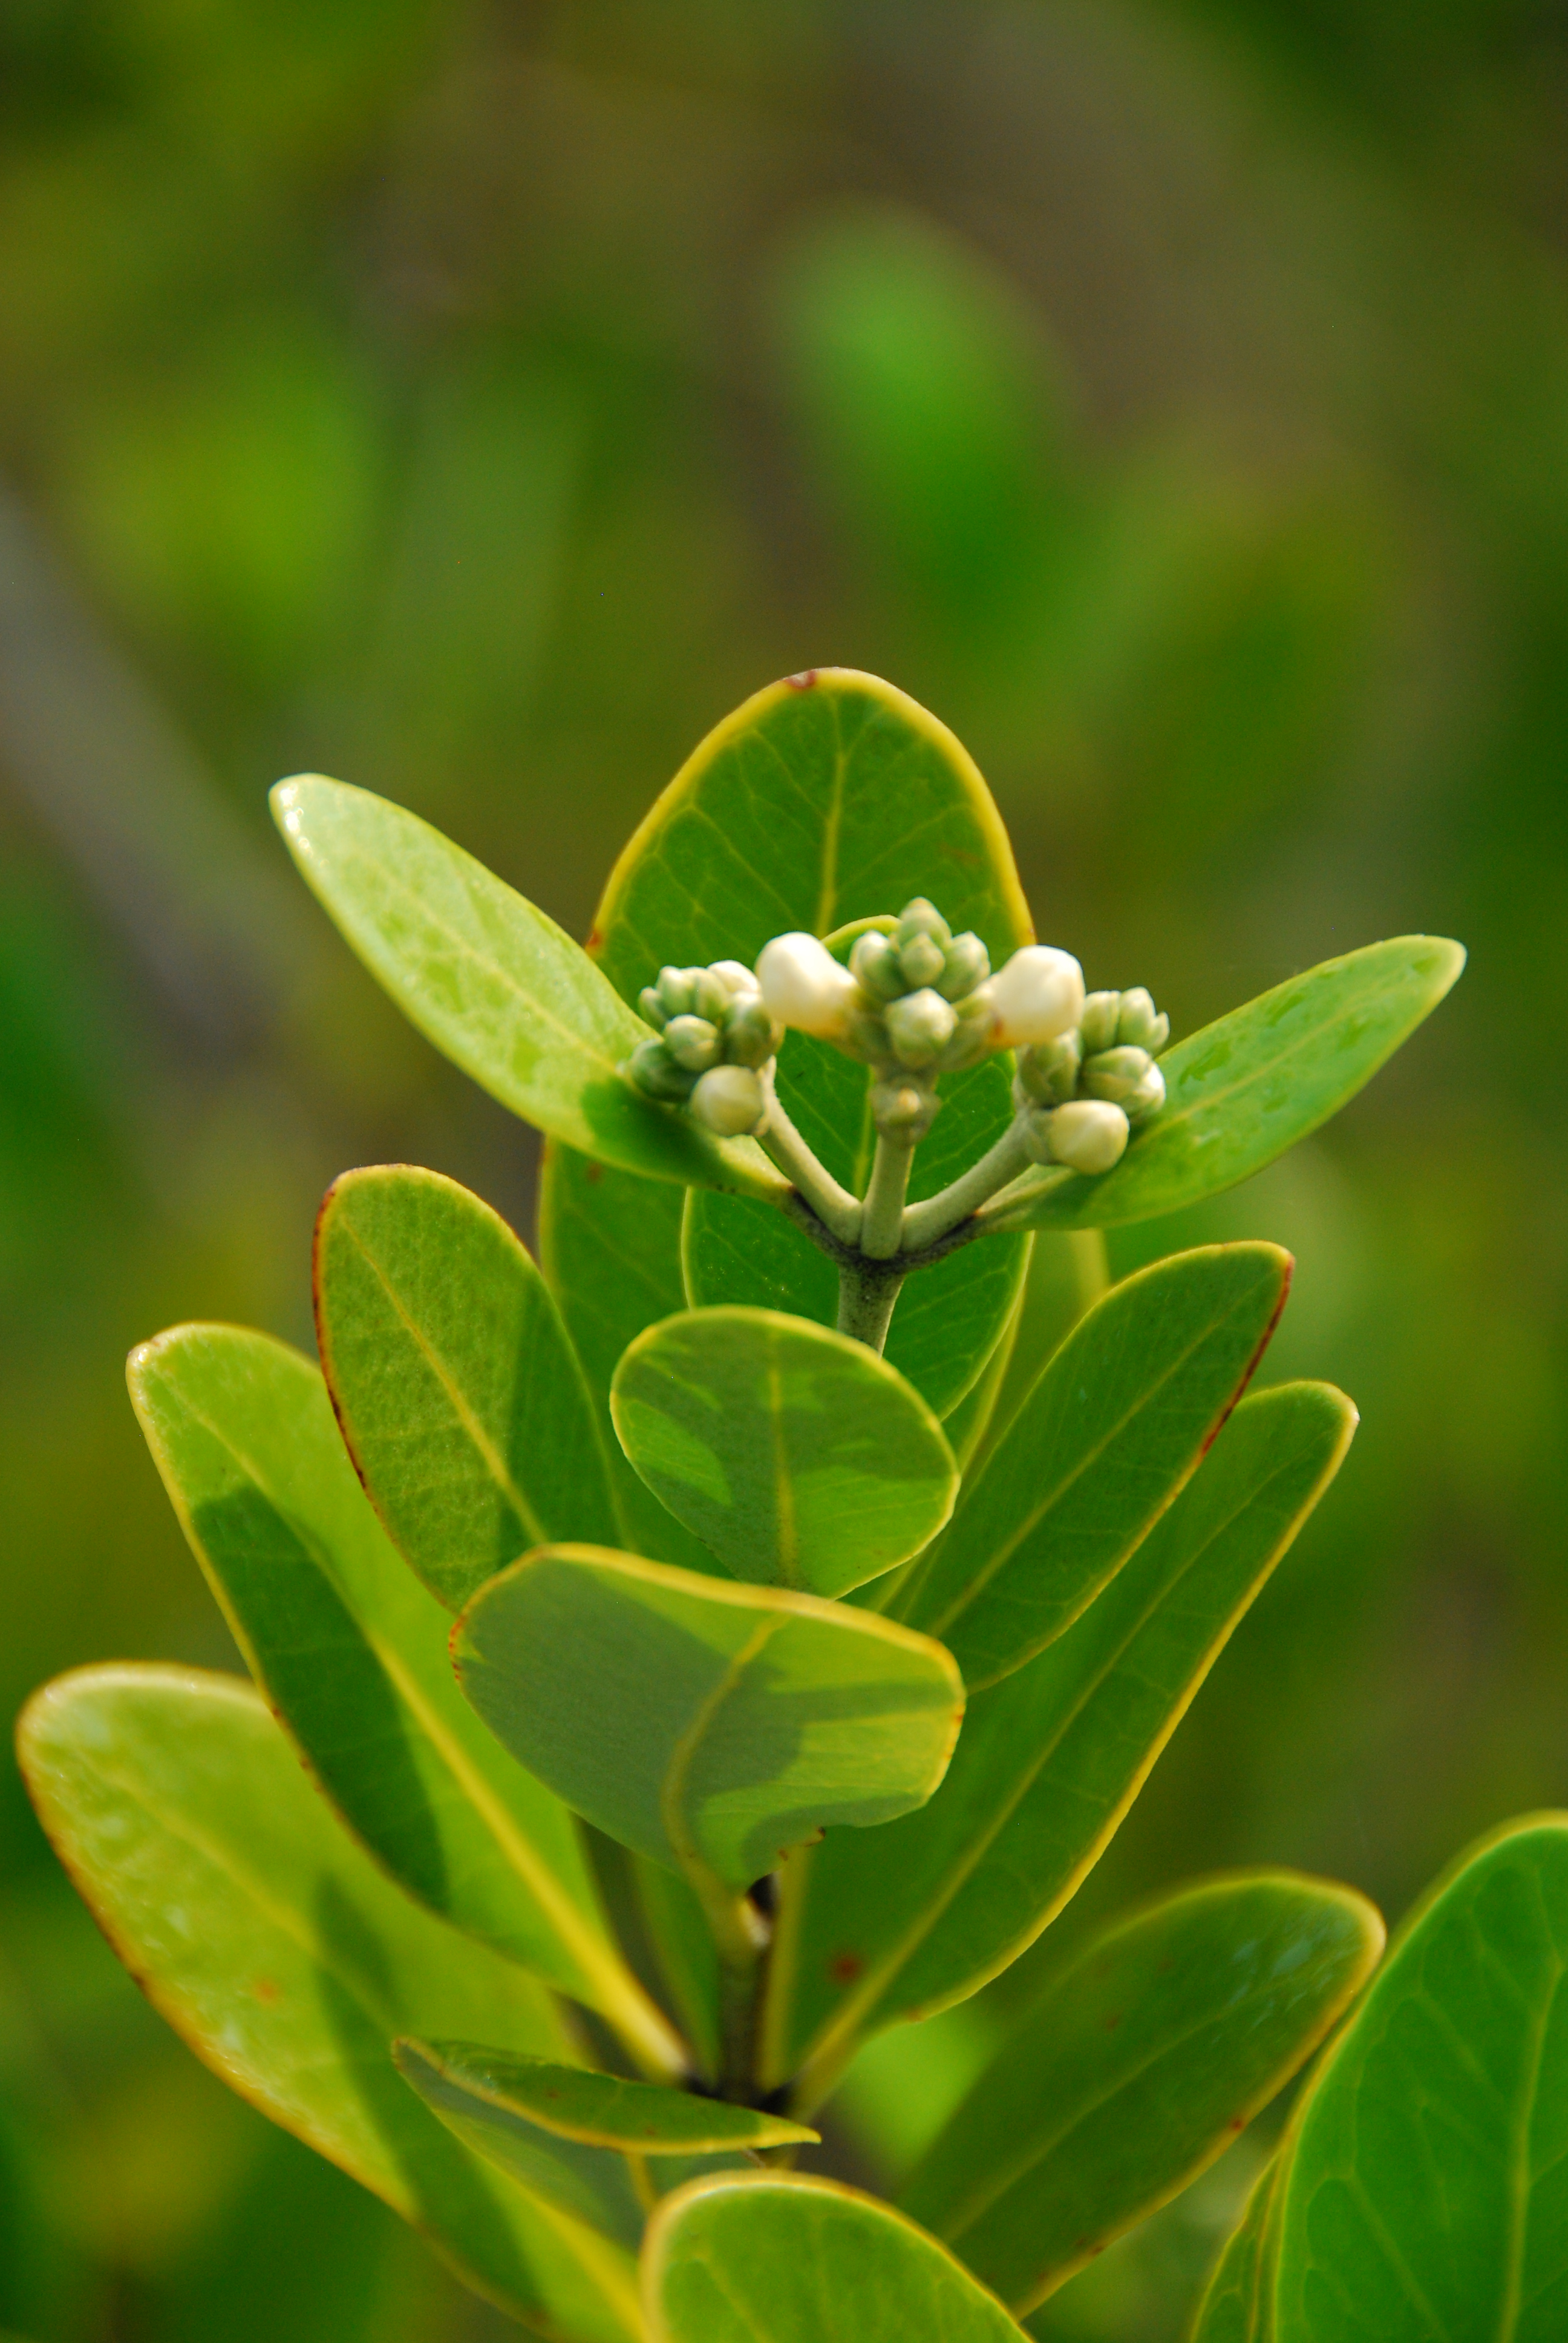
(351, 1653)
(1247, 1087)
(1235, 2304)
(1425, 2190)
(706, 1724)
(1120, 1418)
(497, 986)
(279, 1952)
(1136, 2068)
(922, 1914)
(458, 1393)
(798, 1455)
(774, 2258)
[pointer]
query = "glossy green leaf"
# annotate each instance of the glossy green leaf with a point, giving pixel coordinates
(1247, 1087)
(1138, 2065)
(1235, 2307)
(922, 1914)
(457, 1389)
(609, 1244)
(708, 1725)
(1426, 2187)
(1120, 1418)
(280, 1953)
(776, 2258)
(351, 1653)
(780, 819)
(497, 986)
(798, 1455)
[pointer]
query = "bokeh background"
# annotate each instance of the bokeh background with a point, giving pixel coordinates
(475, 402)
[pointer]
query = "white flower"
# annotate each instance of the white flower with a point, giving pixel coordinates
(728, 1100)
(1038, 995)
(804, 986)
(1086, 1135)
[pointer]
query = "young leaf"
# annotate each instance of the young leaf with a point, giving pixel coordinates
(776, 2258)
(823, 800)
(1422, 2189)
(798, 1455)
(458, 1393)
(497, 986)
(609, 1244)
(1247, 1087)
(1118, 1420)
(280, 1955)
(923, 1913)
(351, 1653)
(1235, 2304)
(1137, 2068)
(708, 1725)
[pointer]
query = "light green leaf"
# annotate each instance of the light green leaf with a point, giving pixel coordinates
(923, 1913)
(1425, 2190)
(497, 986)
(457, 1392)
(1121, 1416)
(609, 1244)
(798, 1455)
(821, 801)
(351, 1653)
(279, 1952)
(1138, 2065)
(706, 1724)
(1247, 1087)
(776, 2258)
(1235, 2304)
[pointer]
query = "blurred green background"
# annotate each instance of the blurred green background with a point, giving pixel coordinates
(475, 402)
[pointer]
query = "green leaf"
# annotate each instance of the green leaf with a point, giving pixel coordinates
(280, 1955)
(798, 1455)
(776, 2258)
(705, 1725)
(1247, 1087)
(1141, 2061)
(950, 1316)
(497, 986)
(1235, 2304)
(609, 1244)
(1423, 2193)
(350, 1652)
(923, 1913)
(822, 801)
(457, 1389)
(1120, 1418)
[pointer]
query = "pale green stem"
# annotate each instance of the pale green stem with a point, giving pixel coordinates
(882, 1214)
(837, 1211)
(867, 1292)
(924, 1223)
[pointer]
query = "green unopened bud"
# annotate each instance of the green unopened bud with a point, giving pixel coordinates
(1115, 1075)
(967, 965)
(874, 963)
(971, 1036)
(692, 1042)
(920, 1027)
(656, 1073)
(1097, 1026)
(921, 917)
(1140, 1024)
(1148, 1098)
(1048, 1073)
(1088, 1134)
(863, 1032)
(709, 995)
(729, 1101)
(653, 1007)
(750, 1035)
(902, 1108)
(677, 989)
(922, 961)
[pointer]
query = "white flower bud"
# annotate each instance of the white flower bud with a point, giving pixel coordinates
(920, 1027)
(1086, 1135)
(1038, 995)
(728, 1100)
(1147, 1098)
(804, 986)
(734, 975)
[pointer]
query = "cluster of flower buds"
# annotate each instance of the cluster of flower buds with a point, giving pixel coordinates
(1079, 1095)
(714, 1033)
